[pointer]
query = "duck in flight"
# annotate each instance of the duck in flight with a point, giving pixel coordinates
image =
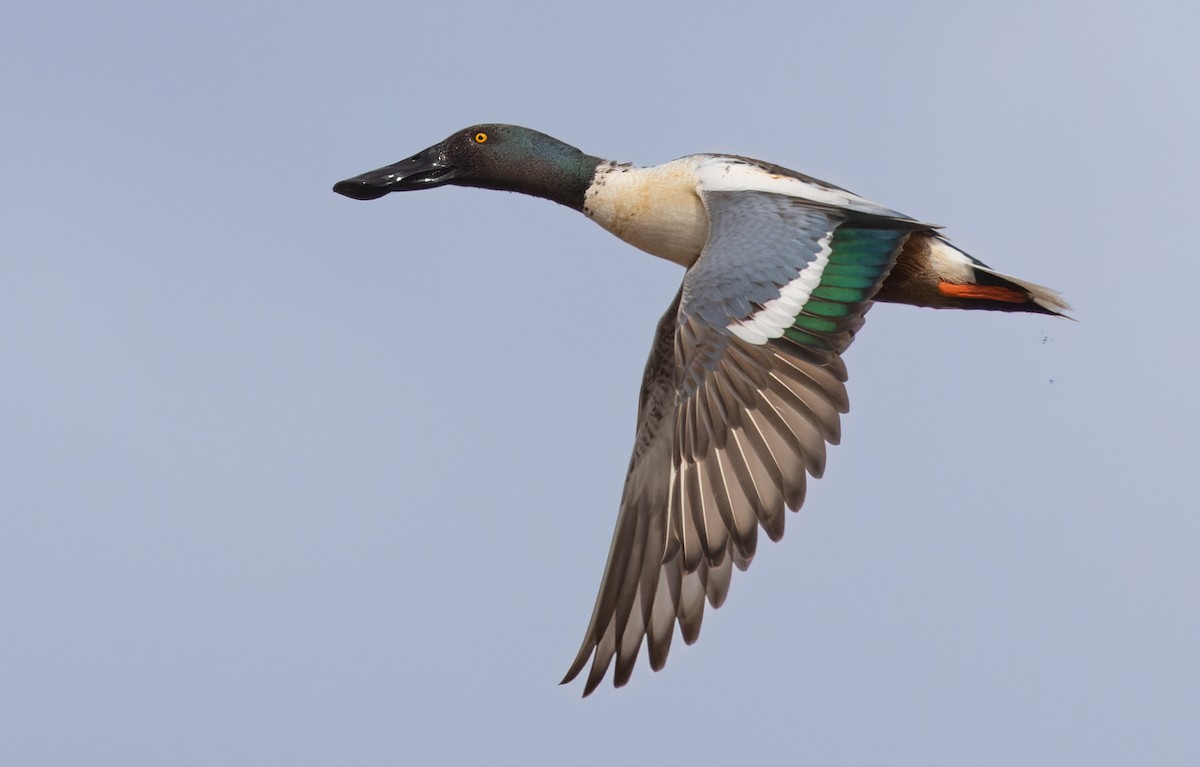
(745, 383)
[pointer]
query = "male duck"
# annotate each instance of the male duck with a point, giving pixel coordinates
(744, 385)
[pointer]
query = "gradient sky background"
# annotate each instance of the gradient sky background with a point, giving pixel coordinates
(294, 480)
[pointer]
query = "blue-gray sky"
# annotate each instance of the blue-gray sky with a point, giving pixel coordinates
(291, 479)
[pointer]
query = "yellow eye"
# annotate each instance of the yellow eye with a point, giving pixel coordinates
(480, 137)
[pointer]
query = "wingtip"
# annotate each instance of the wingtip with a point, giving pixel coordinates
(589, 687)
(594, 681)
(658, 659)
(576, 667)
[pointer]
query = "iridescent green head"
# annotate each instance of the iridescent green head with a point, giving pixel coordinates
(491, 156)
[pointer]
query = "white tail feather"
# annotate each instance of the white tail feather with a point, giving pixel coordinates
(955, 265)
(1041, 295)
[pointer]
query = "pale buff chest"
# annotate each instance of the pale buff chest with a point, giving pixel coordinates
(655, 209)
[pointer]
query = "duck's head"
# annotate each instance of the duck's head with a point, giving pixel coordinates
(491, 156)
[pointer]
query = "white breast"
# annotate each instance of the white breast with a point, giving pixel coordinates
(655, 209)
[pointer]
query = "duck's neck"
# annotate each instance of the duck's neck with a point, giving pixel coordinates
(551, 170)
(569, 181)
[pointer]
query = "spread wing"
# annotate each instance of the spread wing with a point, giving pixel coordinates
(743, 389)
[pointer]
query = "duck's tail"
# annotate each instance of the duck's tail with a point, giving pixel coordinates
(931, 272)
